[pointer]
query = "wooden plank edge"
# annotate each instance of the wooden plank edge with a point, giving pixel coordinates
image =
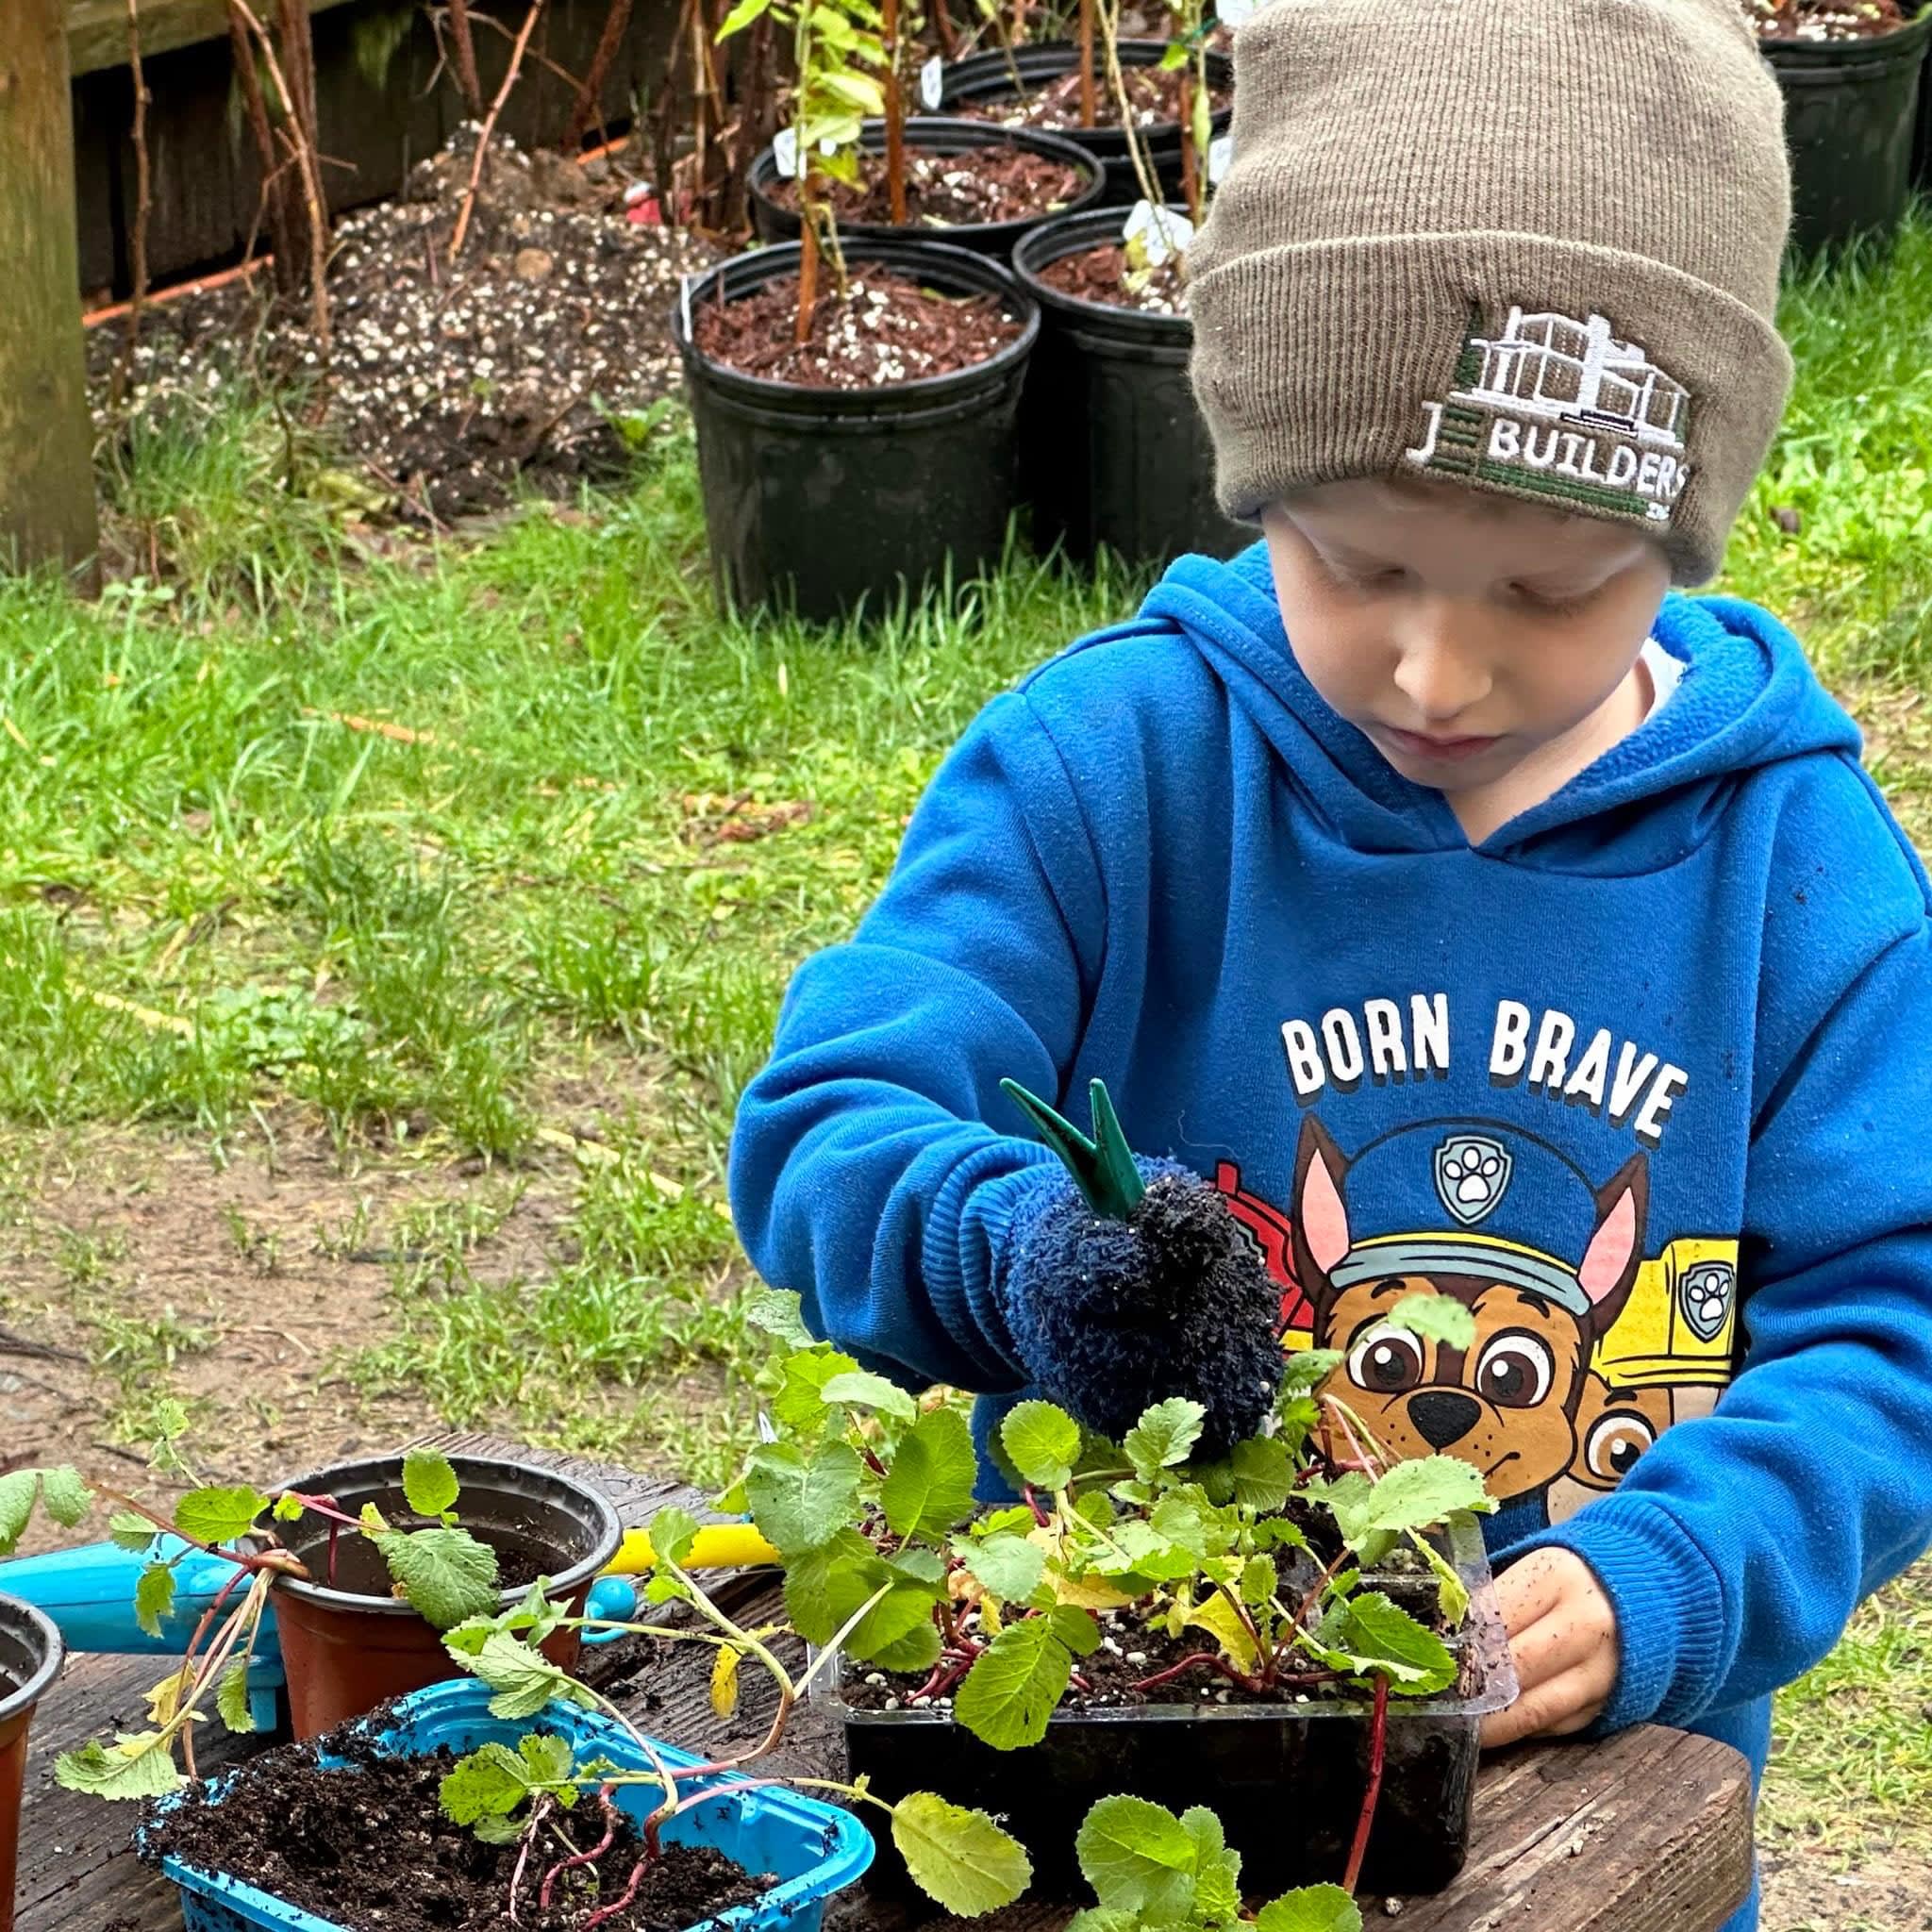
(97, 30)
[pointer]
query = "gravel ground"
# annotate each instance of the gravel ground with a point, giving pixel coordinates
(448, 382)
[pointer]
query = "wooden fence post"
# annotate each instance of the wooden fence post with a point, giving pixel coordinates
(46, 436)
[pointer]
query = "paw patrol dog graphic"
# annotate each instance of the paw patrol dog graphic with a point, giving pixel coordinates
(1585, 1350)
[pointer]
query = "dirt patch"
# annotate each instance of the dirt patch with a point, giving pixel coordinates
(1811, 1890)
(977, 188)
(883, 330)
(367, 1847)
(1826, 20)
(1055, 106)
(449, 381)
(1101, 275)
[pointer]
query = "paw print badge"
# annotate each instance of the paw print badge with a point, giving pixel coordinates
(1706, 1292)
(1472, 1171)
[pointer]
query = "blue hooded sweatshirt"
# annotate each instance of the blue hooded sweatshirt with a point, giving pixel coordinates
(1654, 1062)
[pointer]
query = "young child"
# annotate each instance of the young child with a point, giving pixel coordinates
(1471, 914)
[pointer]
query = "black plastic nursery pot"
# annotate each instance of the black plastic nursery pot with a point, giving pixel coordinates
(982, 80)
(1286, 1781)
(937, 135)
(821, 501)
(1852, 111)
(1112, 449)
(29, 1661)
(350, 1646)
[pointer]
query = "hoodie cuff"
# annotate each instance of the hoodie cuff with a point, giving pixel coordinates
(1669, 1603)
(968, 1244)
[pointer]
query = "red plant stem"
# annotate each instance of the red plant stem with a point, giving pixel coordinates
(895, 115)
(335, 1530)
(1191, 184)
(1206, 1659)
(808, 265)
(1307, 1602)
(611, 1816)
(1378, 1738)
(1354, 1442)
(630, 1891)
(942, 27)
(1039, 1515)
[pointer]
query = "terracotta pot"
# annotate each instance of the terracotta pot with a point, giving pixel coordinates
(348, 1648)
(30, 1662)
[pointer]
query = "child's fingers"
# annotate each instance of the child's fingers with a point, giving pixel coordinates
(1530, 1590)
(1567, 1637)
(1557, 1707)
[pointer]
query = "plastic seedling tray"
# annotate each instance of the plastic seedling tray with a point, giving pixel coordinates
(814, 1849)
(1287, 1780)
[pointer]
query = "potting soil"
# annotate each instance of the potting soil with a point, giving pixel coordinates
(368, 1848)
(983, 186)
(1056, 107)
(883, 330)
(1826, 20)
(1098, 274)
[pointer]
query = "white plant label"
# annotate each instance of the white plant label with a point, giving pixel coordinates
(1161, 232)
(684, 283)
(932, 84)
(1233, 14)
(1220, 153)
(785, 151)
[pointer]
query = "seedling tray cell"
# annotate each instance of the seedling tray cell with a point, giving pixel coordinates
(815, 1849)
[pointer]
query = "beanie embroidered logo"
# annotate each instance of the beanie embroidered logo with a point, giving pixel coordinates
(1563, 409)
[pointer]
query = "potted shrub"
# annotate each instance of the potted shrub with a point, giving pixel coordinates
(30, 1662)
(1850, 73)
(855, 405)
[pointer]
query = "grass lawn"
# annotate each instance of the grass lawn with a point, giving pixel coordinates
(387, 928)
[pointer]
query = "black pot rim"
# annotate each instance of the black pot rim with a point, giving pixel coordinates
(978, 273)
(1090, 223)
(38, 1625)
(1132, 53)
(930, 130)
(610, 1531)
(1899, 48)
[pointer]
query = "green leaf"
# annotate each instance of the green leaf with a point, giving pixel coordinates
(64, 1496)
(1260, 1578)
(1015, 1685)
(1262, 1474)
(800, 1503)
(1217, 1870)
(287, 1509)
(672, 1532)
(498, 1831)
(1138, 1857)
(823, 1587)
(1009, 1566)
(1189, 1521)
(19, 1492)
(863, 91)
(445, 1575)
(857, 1388)
(549, 1758)
(1174, 56)
(1043, 1442)
(1163, 1435)
(1377, 1631)
(1309, 1367)
(736, 21)
(522, 1679)
(489, 1783)
(775, 1310)
(1413, 1495)
(922, 1566)
(1076, 1628)
(1313, 1908)
(960, 1858)
(127, 1531)
(135, 1766)
(800, 1405)
(1435, 1318)
(218, 1515)
(930, 1488)
(231, 1697)
(430, 1484)
(154, 1597)
(1452, 1593)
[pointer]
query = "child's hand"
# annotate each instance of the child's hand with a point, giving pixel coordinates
(1563, 1637)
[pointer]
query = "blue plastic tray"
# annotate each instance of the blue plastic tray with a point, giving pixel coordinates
(815, 1849)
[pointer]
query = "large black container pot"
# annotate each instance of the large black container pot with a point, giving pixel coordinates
(820, 501)
(1113, 450)
(1851, 113)
(936, 135)
(984, 78)
(1286, 1781)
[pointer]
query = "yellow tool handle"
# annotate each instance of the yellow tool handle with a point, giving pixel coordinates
(717, 1546)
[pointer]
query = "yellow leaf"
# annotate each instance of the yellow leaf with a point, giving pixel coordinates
(1217, 1617)
(1087, 1594)
(164, 1699)
(989, 1618)
(725, 1683)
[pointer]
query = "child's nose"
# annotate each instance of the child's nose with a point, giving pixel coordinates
(1442, 673)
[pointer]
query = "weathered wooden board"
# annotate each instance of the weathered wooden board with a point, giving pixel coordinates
(97, 30)
(1650, 1832)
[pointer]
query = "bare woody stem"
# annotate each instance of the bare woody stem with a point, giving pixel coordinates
(1087, 104)
(466, 57)
(895, 115)
(1379, 1739)
(488, 128)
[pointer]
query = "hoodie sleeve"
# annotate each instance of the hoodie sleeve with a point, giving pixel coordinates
(863, 1172)
(1735, 1552)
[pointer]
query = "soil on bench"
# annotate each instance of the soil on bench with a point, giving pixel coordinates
(976, 189)
(368, 1848)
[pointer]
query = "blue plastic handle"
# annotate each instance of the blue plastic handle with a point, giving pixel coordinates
(615, 1597)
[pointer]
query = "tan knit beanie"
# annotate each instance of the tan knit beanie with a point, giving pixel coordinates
(1531, 246)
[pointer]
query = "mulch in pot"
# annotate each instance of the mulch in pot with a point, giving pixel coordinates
(1055, 106)
(367, 1848)
(884, 330)
(1098, 274)
(981, 187)
(1827, 20)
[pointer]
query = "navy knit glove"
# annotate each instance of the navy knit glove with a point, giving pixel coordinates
(1131, 1282)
